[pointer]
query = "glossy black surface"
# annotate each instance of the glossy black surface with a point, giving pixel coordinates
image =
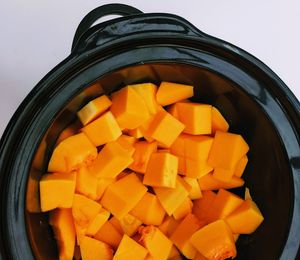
(155, 47)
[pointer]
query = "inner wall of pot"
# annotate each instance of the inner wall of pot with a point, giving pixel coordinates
(267, 173)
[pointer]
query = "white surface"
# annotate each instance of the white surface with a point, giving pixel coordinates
(36, 35)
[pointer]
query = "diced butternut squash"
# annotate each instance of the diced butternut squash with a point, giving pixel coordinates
(136, 133)
(111, 161)
(68, 131)
(196, 118)
(245, 219)
(57, 190)
(71, 153)
(174, 254)
(195, 192)
(129, 109)
(109, 235)
(103, 130)
(181, 165)
(169, 225)
(102, 184)
(218, 122)
(184, 209)
(149, 210)
(169, 93)
(208, 182)
(224, 203)
(147, 91)
(182, 234)
(93, 109)
(97, 222)
(116, 223)
(199, 257)
(214, 241)
(201, 206)
(92, 249)
(142, 154)
(196, 169)
(241, 166)
(171, 198)
(127, 142)
(62, 223)
(159, 246)
(123, 195)
(86, 183)
(247, 194)
(236, 237)
(173, 110)
(162, 170)
(129, 224)
(165, 128)
(223, 175)
(198, 147)
(130, 249)
(178, 146)
(227, 149)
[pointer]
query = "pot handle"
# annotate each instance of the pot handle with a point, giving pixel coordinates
(99, 12)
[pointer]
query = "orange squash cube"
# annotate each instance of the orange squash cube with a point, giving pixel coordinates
(178, 146)
(62, 223)
(162, 170)
(181, 165)
(102, 184)
(91, 249)
(127, 142)
(245, 219)
(109, 235)
(214, 241)
(71, 153)
(198, 147)
(227, 149)
(158, 245)
(142, 154)
(197, 169)
(171, 198)
(93, 109)
(147, 91)
(86, 183)
(175, 254)
(123, 195)
(97, 222)
(130, 249)
(169, 93)
(196, 118)
(57, 190)
(129, 109)
(208, 182)
(224, 203)
(111, 161)
(218, 122)
(70, 130)
(165, 128)
(201, 206)
(129, 224)
(184, 209)
(241, 166)
(149, 210)
(195, 192)
(103, 130)
(169, 225)
(182, 234)
(136, 133)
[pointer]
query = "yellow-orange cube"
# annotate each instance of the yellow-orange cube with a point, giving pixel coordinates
(162, 170)
(123, 195)
(103, 130)
(201, 206)
(195, 192)
(197, 147)
(196, 169)
(109, 235)
(127, 142)
(184, 209)
(218, 123)
(97, 222)
(91, 249)
(86, 183)
(241, 166)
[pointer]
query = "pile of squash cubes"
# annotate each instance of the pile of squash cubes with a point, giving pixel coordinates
(145, 176)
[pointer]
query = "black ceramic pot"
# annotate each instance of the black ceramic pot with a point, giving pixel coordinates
(154, 47)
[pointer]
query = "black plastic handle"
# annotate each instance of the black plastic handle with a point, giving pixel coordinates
(99, 12)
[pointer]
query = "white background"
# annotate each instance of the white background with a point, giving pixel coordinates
(35, 35)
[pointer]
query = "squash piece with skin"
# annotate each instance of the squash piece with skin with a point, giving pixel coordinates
(103, 130)
(93, 109)
(62, 223)
(119, 199)
(130, 249)
(149, 210)
(169, 93)
(57, 190)
(161, 170)
(142, 154)
(71, 153)
(214, 241)
(158, 245)
(129, 109)
(91, 249)
(111, 161)
(218, 122)
(181, 236)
